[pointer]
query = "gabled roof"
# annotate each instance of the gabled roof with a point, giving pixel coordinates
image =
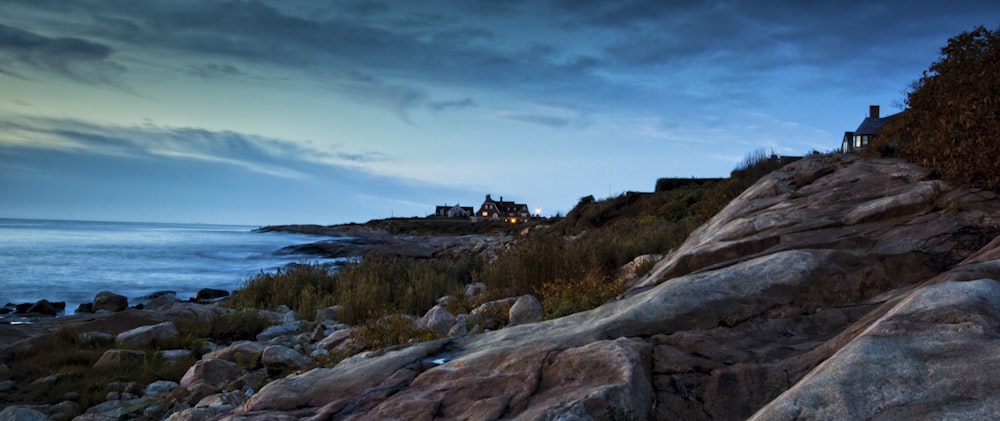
(873, 125)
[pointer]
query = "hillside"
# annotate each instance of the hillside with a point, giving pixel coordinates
(838, 287)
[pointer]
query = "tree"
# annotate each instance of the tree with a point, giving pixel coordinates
(952, 120)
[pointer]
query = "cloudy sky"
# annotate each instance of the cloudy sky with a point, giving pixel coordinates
(316, 111)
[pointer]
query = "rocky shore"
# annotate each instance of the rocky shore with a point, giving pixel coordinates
(354, 240)
(838, 287)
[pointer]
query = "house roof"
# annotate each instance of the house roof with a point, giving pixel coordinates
(873, 125)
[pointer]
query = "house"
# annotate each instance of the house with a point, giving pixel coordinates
(869, 129)
(506, 211)
(457, 211)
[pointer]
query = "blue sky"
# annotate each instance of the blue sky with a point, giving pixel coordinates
(272, 112)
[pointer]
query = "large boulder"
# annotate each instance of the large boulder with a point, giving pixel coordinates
(527, 309)
(437, 319)
(22, 413)
(117, 359)
(212, 371)
(279, 359)
(145, 335)
(109, 301)
(933, 356)
(47, 308)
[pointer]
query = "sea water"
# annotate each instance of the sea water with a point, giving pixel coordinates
(71, 261)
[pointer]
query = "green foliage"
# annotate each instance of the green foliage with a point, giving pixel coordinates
(952, 123)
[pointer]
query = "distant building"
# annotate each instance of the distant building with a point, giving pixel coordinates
(506, 211)
(457, 211)
(868, 130)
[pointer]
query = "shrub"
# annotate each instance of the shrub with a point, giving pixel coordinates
(952, 120)
(390, 330)
(564, 297)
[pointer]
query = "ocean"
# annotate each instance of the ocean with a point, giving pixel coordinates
(71, 261)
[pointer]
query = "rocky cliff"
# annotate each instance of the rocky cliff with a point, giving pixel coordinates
(836, 288)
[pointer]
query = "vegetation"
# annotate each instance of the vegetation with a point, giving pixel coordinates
(68, 360)
(570, 264)
(952, 120)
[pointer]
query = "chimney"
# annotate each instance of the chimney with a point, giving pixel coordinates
(873, 111)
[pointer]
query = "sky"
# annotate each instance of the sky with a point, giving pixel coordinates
(323, 111)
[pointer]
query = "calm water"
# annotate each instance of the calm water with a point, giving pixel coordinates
(71, 261)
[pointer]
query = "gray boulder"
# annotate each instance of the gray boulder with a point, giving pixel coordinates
(213, 372)
(159, 387)
(437, 319)
(21, 413)
(932, 356)
(115, 358)
(279, 331)
(279, 359)
(109, 301)
(527, 309)
(145, 335)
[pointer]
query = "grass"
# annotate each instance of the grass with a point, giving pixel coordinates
(71, 360)
(570, 264)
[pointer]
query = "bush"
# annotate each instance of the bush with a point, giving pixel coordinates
(952, 120)
(564, 297)
(390, 330)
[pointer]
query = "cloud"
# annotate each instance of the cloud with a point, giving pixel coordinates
(538, 119)
(23, 52)
(212, 70)
(453, 104)
(272, 157)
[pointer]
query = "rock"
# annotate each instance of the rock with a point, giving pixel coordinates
(437, 319)
(145, 335)
(21, 413)
(475, 289)
(494, 314)
(117, 409)
(279, 359)
(114, 359)
(45, 380)
(64, 410)
(160, 300)
(109, 301)
(7, 385)
(930, 357)
(459, 328)
(290, 317)
(277, 331)
(527, 309)
(244, 353)
(94, 338)
(199, 413)
(209, 295)
(175, 356)
(327, 313)
(84, 308)
(212, 372)
(47, 308)
(159, 387)
(333, 339)
(4, 371)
